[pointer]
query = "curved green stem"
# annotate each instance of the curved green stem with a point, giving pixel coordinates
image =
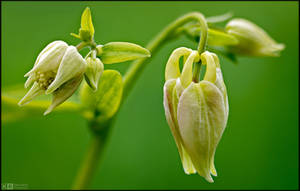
(196, 72)
(136, 67)
(201, 47)
(89, 164)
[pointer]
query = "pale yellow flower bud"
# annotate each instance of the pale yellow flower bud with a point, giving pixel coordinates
(94, 70)
(253, 40)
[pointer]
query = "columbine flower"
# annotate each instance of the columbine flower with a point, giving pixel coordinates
(59, 70)
(196, 112)
(253, 40)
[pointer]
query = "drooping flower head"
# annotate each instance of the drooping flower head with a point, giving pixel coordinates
(59, 70)
(196, 112)
(252, 39)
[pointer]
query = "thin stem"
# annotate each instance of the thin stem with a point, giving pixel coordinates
(89, 164)
(201, 47)
(203, 35)
(137, 66)
(196, 72)
(81, 45)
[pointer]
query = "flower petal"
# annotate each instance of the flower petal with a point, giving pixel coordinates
(64, 92)
(172, 68)
(201, 120)
(49, 58)
(187, 71)
(220, 83)
(72, 65)
(208, 60)
(34, 91)
(170, 105)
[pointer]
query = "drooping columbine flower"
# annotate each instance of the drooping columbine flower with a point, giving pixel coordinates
(253, 40)
(59, 70)
(196, 112)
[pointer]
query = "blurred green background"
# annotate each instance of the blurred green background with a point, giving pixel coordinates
(259, 148)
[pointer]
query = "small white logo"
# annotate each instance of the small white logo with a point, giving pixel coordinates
(13, 186)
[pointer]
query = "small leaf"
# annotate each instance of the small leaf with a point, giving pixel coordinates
(219, 38)
(86, 21)
(104, 102)
(115, 52)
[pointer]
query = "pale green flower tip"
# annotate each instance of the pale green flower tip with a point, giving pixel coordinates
(274, 50)
(50, 109)
(28, 82)
(47, 112)
(21, 102)
(93, 85)
(209, 179)
(213, 171)
(51, 89)
(25, 100)
(27, 74)
(34, 91)
(189, 171)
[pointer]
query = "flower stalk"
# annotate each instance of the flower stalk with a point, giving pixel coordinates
(89, 165)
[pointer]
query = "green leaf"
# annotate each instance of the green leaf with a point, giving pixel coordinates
(104, 102)
(115, 52)
(215, 37)
(219, 38)
(86, 21)
(11, 111)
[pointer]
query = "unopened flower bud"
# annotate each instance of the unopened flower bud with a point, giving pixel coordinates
(196, 112)
(93, 72)
(253, 40)
(59, 70)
